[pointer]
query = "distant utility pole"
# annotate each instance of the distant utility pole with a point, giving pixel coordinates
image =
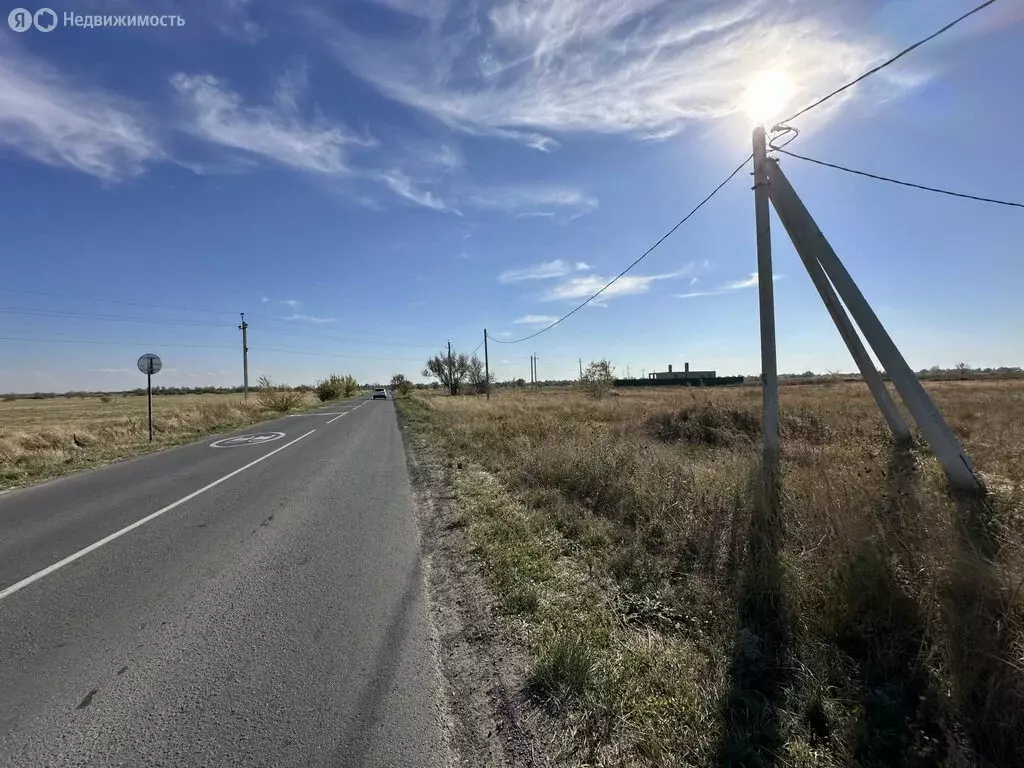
(536, 377)
(487, 368)
(581, 369)
(451, 370)
(627, 371)
(245, 358)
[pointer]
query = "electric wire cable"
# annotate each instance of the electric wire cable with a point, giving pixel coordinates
(116, 343)
(887, 62)
(901, 183)
(642, 256)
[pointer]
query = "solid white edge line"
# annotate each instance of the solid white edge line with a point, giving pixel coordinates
(118, 534)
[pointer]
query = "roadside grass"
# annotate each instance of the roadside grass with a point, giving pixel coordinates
(48, 438)
(682, 612)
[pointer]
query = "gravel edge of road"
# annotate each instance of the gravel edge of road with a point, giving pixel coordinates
(483, 668)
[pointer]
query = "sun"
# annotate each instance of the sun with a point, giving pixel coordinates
(767, 95)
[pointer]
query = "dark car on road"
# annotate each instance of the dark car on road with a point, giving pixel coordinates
(380, 394)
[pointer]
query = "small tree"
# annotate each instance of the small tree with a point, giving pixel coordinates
(598, 378)
(349, 385)
(401, 384)
(329, 388)
(449, 370)
(276, 397)
(477, 375)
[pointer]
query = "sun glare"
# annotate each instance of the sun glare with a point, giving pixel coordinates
(767, 95)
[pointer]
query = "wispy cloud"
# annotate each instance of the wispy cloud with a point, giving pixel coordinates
(535, 201)
(109, 370)
(275, 132)
(522, 69)
(750, 281)
(546, 270)
(293, 303)
(399, 183)
(310, 318)
(582, 286)
(264, 299)
(63, 123)
(535, 320)
(587, 285)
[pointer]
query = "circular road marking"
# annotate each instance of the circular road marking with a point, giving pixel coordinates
(241, 440)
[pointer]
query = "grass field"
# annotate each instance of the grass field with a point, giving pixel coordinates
(676, 616)
(40, 439)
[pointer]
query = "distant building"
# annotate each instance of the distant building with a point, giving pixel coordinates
(686, 373)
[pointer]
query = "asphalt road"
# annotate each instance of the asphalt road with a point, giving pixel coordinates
(267, 608)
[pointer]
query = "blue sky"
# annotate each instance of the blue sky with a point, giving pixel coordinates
(367, 180)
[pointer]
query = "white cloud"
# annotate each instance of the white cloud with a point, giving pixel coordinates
(750, 281)
(581, 265)
(695, 294)
(277, 133)
(546, 270)
(535, 320)
(310, 318)
(293, 303)
(519, 69)
(535, 201)
(264, 299)
(587, 285)
(62, 123)
(404, 187)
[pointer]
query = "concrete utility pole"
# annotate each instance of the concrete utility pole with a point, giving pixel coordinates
(940, 437)
(581, 369)
(245, 358)
(766, 301)
(487, 368)
(788, 207)
(451, 370)
(536, 377)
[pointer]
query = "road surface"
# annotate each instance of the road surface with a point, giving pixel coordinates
(260, 603)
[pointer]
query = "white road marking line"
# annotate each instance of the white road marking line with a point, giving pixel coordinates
(118, 534)
(346, 413)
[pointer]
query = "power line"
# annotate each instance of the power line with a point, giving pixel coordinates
(115, 343)
(339, 355)
(106, 318)
(644, 255)
(330, 337)
(115, 301)
(885, 64)
(901, 183)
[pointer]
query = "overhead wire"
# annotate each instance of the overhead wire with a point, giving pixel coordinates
(642, 256)
(886, 63)
(115, 343)
(107, 318)
(899, 182)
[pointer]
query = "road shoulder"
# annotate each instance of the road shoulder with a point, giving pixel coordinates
(484, 663)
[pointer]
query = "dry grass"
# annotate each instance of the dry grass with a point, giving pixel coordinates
(40, 439)
(679, 617)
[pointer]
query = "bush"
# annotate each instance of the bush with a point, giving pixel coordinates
(330, 388)
(404, 387)
(276, 398)
(598, 379)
